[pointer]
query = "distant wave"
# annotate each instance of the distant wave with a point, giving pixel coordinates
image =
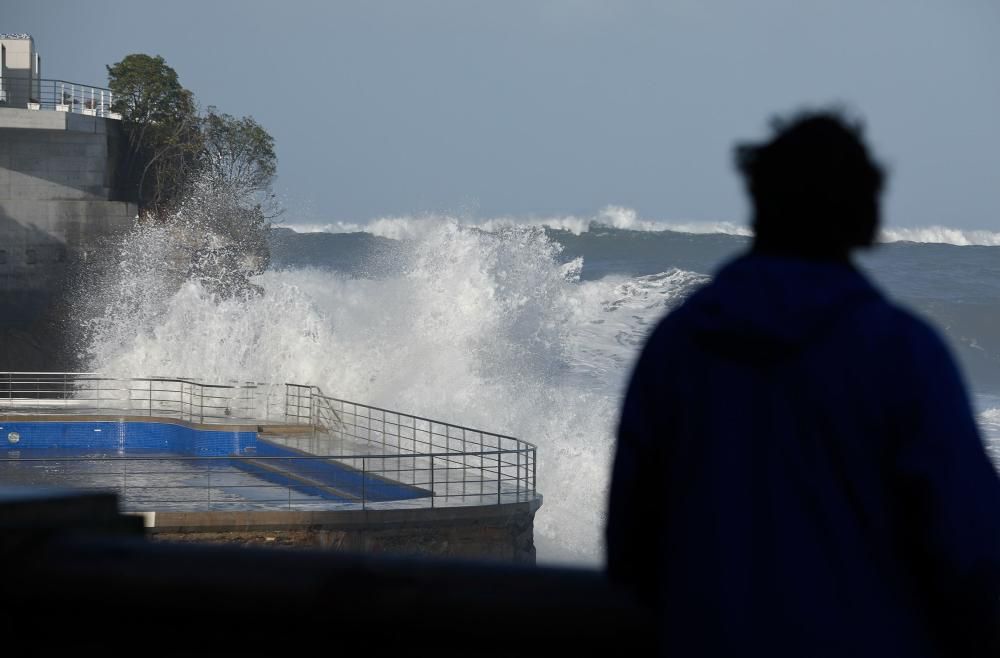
(611, 217)
(943, 235)
(619, 218)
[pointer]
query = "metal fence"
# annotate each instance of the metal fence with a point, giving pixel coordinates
(59, 95)
(94, 394)
(374, 449)
(464, 457)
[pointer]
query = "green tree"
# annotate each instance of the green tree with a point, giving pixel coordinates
(208, 177)
(238, 153)
(162, 125)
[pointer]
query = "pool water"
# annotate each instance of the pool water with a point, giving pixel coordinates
(168, 466)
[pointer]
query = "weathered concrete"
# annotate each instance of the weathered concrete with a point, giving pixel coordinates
(58, 204)
(24, 119)
(497, 532)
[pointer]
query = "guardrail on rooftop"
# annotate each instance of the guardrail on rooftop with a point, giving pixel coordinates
(58, 95)
(451, 463)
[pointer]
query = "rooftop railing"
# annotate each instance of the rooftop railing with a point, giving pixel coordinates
(57, 95)
(440, 463)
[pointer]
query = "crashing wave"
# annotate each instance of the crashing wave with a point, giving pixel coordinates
(483, 328)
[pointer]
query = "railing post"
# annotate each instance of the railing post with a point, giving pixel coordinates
(432, 476)
(364, 485)
(499, 469)
(534, 470)
(517, 479)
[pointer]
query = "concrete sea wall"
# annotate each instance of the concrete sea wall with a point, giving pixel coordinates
(58, 203)
(495, 532)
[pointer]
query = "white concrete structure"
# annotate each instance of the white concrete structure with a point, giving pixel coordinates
(20, 70)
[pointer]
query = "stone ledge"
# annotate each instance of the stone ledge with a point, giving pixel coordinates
(499, 532)
(24, 119)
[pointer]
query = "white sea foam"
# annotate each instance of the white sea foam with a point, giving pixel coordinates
(943, 235)
(482, 328)
(990, 417)
(989, 425)
(616, 217)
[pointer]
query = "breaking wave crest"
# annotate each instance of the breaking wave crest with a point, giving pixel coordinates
(613, 217)
(620, 218)
(943, 235)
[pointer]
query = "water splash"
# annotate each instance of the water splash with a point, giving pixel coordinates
(481, 328)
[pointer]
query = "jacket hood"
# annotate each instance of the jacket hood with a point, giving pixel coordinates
(766, 308)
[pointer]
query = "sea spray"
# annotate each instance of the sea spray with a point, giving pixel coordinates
(482, 328)
(502, 326)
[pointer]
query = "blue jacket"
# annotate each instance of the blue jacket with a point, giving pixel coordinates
(799, 473)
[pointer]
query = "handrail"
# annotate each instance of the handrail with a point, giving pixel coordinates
(391, 411)
(59, 95)
(459, 461)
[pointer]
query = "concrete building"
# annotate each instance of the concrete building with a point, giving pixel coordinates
(20, 70)
(58, 202)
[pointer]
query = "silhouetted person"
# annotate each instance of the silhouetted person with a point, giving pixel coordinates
(798, 470)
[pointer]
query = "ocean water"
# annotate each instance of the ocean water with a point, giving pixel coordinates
(523, 326)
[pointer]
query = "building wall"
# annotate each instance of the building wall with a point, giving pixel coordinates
(57, 205)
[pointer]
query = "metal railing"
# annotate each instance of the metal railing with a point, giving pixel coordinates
(372, 449)
(59, 95)
(90, 393)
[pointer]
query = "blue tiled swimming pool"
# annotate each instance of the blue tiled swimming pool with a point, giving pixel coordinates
(164, 465)
(127, 437)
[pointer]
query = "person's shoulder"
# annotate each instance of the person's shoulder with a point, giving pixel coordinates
(913, 328)
(917, 344)
(678, 320)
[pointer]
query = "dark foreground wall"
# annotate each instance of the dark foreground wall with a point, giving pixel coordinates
(81, 581)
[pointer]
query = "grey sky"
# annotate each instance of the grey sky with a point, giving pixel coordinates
(554, 107)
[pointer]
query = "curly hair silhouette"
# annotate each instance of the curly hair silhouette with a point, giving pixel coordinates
(815, 188)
